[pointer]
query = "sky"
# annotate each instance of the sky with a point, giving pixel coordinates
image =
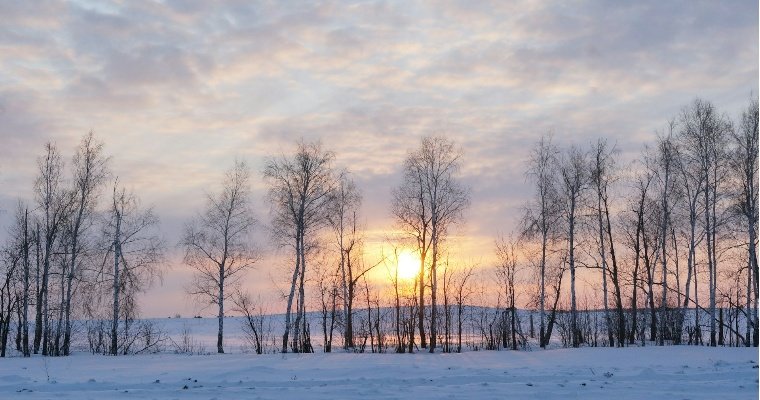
(178, 90)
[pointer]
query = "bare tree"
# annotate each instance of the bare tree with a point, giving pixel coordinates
(328, 283)
(26, 242)
(574, 182)
(14, 259)
(254, 316)
(615, 273)
(463, 292)
(704, 133)
(689, 181)
(635, 240)
(602, 172)
(745, 166)
(650, 233)
(53, 202)
(136, 251)
(541, 216)
(218, 245)
(300, 189)
(506, 271)
(404, 300)
(664, 172)
(426, 204)
(10, 260)
(344, 204)
(89, 175)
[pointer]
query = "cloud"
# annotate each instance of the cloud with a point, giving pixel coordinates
(177, 89)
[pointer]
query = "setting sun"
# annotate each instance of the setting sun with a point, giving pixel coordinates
(408, 265)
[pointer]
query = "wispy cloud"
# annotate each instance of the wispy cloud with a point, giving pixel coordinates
(179, 88)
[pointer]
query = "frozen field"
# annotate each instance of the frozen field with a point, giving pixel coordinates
(675, 372)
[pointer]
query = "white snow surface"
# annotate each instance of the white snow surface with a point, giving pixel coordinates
(671, 372)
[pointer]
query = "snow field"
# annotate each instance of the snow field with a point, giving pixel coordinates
(671, 372)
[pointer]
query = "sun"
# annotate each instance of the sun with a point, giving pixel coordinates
(408, 265)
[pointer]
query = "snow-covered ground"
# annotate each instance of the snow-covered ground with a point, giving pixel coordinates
(670, 372)
(673, 372)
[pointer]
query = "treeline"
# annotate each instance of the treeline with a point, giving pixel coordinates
(679, 223)
(74, 256)
(665, 246)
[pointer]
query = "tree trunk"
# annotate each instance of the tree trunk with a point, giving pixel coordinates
(220, 332)
(663, 248)
(603, 255)
(116, 258)
(710, 265)
(542, 329)
(573, 308)
(615, 281)
(25, 321)
(289, 308)
(433, 290)
(421, 311)
(38, 296)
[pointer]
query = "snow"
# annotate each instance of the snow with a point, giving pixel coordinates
(671, 372)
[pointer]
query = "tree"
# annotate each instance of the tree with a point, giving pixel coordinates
(745, 167)
(300, 189)
(218, 245)
(12, 260)
(90, 171)
(637, 241)
(574, 182)
(664, 171)
(461, 295)
(689, 181)
(328, 284)
(651, 220)
(602, 173)
(705, 133)
(253, 320)
(344, 204)
(53, 201)
(506, 270)
(426, 204)
(542, 214)
(16, 289)
(137, 253)
(404, 300)
(25, 245)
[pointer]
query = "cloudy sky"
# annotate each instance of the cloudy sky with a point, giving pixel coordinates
(178, 89)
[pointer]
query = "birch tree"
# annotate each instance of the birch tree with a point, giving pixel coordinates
(506, 271)
(665, 155)
(636, 241)
(26, 242)
(601, 175)
(16, 291)
(218, 244)
(89, 174)
(542, 215)
(300, 189)
(344, 205)
(704, 132)
(574, 181)
(53, 202)
(689, 181)
(745, 167)
(426, 204)
(135, 252)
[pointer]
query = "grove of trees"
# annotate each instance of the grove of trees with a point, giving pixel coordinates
(605, 251)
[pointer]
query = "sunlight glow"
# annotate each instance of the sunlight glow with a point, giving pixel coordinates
(408, 265)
